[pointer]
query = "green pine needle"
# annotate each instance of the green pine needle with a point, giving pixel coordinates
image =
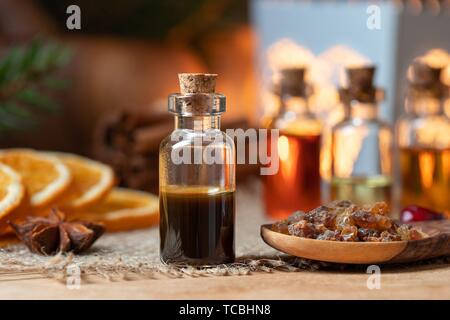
(28, 75)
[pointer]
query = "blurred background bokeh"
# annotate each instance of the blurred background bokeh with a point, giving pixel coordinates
(123, 64)
(102, 90)
(127, 55)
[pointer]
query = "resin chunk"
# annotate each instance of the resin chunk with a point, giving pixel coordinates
(345, 221)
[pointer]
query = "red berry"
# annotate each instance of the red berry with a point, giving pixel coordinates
(415, 213)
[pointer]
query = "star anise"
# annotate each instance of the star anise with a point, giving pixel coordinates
(52, 234)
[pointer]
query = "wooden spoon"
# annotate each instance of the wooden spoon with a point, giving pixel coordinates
(437, 244)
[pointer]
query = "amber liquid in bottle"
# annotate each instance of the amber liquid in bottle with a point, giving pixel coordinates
(362, 190)
(296, 185)
(426, 178)
(197, 225)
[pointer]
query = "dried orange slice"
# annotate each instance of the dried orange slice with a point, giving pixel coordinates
(123, 209)
(44, 176)
(11, 190)
(91, 181)
(7, 240)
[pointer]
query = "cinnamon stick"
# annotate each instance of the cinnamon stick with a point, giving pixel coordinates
(129, 142)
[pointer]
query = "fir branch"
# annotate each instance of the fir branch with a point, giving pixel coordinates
(28, 75)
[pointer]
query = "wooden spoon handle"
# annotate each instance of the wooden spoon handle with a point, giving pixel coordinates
(434, 227)
(438, 244)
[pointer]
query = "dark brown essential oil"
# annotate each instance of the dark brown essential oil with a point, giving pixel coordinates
(197, 225)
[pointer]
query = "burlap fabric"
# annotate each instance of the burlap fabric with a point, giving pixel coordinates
(136, 253)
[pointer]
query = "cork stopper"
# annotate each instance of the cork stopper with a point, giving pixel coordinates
(422, 77)
(197, 82)
(197, 96)
(361, 77)
(361, 85)
(293, 82)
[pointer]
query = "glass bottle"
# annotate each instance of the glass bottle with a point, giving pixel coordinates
(296, 185)
(337, 113)
(197, 178)
(361, 168)
(423, 136)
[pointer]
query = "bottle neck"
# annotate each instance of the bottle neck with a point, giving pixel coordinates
(423, 105)
(365, 111)
(293, 104)
(197, 123)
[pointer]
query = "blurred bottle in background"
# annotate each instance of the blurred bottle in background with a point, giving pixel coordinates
(361, 166)
(423, 136)
(337, 114)
(296, 185)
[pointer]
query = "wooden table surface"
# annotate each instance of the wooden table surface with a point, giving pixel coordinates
(424, 282)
